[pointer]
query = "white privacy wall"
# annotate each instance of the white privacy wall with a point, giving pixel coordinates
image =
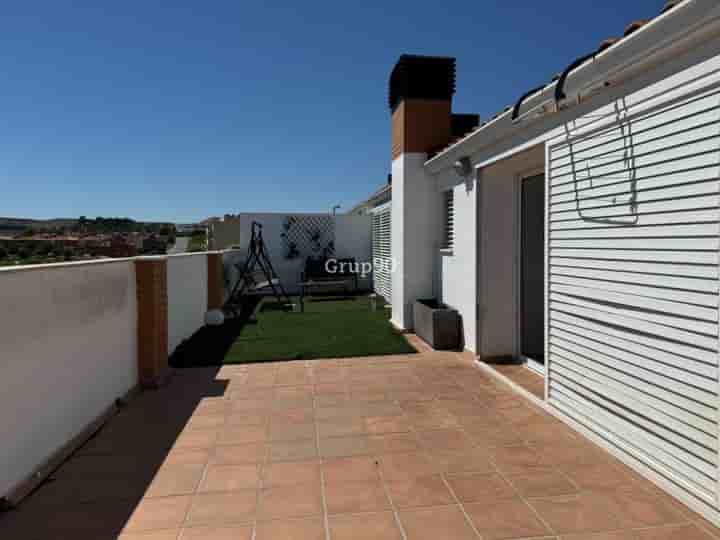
(187, 286)
(68, 350)
(352, 239)
(457, 268)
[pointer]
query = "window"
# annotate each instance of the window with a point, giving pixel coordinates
(449, 222)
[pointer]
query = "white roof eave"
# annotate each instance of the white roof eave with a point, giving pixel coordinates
(656, 40)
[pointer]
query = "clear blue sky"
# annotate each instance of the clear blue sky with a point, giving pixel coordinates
(178, 110)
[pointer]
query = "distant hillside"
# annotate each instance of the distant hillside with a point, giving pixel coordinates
(13, 225)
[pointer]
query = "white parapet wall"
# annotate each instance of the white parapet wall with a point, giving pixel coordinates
(187, 290)
(68, 350)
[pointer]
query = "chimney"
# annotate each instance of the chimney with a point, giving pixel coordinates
(421, 91)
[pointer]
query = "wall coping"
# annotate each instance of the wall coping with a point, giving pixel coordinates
(108, 260)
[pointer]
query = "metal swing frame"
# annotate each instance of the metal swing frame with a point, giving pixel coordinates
(257, 257)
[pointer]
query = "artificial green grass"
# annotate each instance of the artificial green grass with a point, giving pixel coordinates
(328, 328)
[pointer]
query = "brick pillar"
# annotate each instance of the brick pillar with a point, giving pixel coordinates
(216, 287)
(151, 276)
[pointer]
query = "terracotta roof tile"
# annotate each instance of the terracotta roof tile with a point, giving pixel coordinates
(635, 26)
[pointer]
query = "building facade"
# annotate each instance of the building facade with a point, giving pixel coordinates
(577, 233)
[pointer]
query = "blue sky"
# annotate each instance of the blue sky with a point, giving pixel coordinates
(179, 110)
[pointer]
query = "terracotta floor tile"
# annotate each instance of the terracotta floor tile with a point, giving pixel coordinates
(543, 484)
(234, 532)
(356, 497)
(548, 432)
(293, 403)
(583, 513)
(495, 436)
(242, 434)
(480, 487)
(230, 478)
(290, 473)
(291, 529)
(239, 454)
(445, 439)
(344, 446)
(293, 450)
(367, 396)
(350, 469)
(333, 399)
(434, 523)
(452, 461)
(290, 501)
(422, 431)
(643, 508)
(196, 438)
(221, 508)
(392, 442)
(518, 460)
(505, 519)
(299, 415)
(381, 526)
(675, 532)
(188, 456)
(432, 421)
(170, 534)
(386, 424)
(420, 491)
(284, 431)
(402, 466)
(572, 453)
(158, 513)
(244, 404)
(247, 418)
(705, 525)
(341, 428)
(615, 535)
(597, 476)
(206, 421)
(175, 480)
(294, 391)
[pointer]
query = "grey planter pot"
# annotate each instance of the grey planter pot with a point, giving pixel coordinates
(437, 324)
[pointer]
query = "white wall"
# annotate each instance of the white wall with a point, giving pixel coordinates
(68, 342)
(499, 249)
(456, 283)
(230, 260)
(353, 238)
(187, 296)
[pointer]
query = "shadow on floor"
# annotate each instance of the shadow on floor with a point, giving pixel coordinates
(94, 493)
(209, 345)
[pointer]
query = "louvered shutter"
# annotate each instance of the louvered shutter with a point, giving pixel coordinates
(632, 305)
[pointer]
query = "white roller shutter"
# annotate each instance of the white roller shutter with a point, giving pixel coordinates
(382, 254)
(632, 286)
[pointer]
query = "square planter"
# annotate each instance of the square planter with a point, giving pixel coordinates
(437, 324)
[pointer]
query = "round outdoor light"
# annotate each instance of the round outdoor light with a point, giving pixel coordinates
(463, 167)
(214, 317)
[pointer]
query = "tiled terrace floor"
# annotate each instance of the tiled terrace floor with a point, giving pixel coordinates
(421, 447)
